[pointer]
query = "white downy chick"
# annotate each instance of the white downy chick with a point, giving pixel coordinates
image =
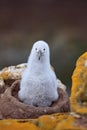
(39, 84)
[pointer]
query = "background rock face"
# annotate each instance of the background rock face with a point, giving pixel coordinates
(63, 24)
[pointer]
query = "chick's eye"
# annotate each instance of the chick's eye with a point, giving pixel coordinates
(44, 49)
(35, 48)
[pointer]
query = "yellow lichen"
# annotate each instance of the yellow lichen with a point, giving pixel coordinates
(47, 122)
(78, 99)
(4, 75)
(15, 125)
(68, 124)
(12, 72)
(59, 121)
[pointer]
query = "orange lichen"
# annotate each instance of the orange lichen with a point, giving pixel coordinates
(4, 75)
(68, 124)
(12, 72)
(78, 99)
(47, 122)
(58, 121)
(15, 125)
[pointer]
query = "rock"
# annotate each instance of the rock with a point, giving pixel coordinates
(59, 121)
(9, 74)
(78, 99)
(12, 72)
(61, 85)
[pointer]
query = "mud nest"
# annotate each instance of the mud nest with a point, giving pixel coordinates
(12, 107)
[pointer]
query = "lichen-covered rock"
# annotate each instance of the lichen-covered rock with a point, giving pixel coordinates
(59, 121)
(78, 100)
(11, 73)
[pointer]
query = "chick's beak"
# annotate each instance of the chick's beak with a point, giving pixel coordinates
(39, 54)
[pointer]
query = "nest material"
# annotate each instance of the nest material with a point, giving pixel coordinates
(12, 107)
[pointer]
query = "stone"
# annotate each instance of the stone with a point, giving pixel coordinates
(78, 99)
(58, 121)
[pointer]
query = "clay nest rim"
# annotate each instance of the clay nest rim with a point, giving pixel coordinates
(12, 107)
